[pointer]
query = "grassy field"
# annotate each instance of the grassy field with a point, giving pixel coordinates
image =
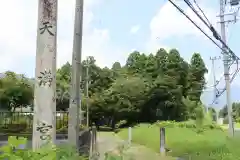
(225, 126)
(237, 125)
(115, 147)
(185, 142)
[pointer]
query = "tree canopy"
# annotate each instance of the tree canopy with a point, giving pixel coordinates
(149, 87)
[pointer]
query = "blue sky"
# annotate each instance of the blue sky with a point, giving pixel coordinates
(112, 29)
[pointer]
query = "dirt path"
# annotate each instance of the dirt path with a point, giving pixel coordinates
(109, 142)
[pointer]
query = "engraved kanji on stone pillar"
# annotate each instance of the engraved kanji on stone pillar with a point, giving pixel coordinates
(44, 124)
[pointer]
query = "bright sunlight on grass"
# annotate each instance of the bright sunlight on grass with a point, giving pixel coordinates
(187, 143)
(237, 125)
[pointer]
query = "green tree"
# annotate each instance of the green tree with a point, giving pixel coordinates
(161, 59)
(235, 108)
(123, 100)
(167, 89)
(147, 88)
(63, 80)
(196, 77)
(16, 91)
(116, 66)
(136, 63)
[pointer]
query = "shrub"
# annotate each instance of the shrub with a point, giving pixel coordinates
(48, 152)
(121, 123)
(20, 124)
(61, 121)
(166, 123)
(189, 124)
(64, 129)
(199, 116)
(238, 120)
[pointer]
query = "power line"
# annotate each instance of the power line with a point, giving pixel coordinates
(216, 35)
(224, 48)
(202, 12)
(196, 12)
(180, 10)
(234, 61)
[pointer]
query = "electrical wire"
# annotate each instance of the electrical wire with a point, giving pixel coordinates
(216, 35)
(224, 89)
(209, 23)
(195, 2)
(180, 10)
(199, 16)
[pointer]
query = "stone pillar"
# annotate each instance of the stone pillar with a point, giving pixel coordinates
(44, 123)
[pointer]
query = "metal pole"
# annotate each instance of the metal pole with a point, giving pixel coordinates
(214, 81)
(87, 96)
(75, 101)
(226, 59)
(214, 74)
(44, 123)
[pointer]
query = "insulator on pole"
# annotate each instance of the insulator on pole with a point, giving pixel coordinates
(234, 2)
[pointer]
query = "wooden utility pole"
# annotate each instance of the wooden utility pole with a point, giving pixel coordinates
(44, 123)
(75, 101)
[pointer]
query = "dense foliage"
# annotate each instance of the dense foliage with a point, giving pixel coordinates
(147, 88)
(15, 150)
(15, 91)
(236, 112)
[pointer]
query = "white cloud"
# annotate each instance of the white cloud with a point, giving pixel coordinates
(153, 45)
(169, 22)
(18, 35)
(134, 29)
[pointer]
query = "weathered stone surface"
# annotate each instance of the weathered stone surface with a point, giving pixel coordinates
(44, 128)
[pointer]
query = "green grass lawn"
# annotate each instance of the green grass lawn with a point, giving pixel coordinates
(237, 125)
(185, 142)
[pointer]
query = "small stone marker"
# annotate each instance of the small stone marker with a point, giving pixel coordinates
(162, 141)
(129, 135)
